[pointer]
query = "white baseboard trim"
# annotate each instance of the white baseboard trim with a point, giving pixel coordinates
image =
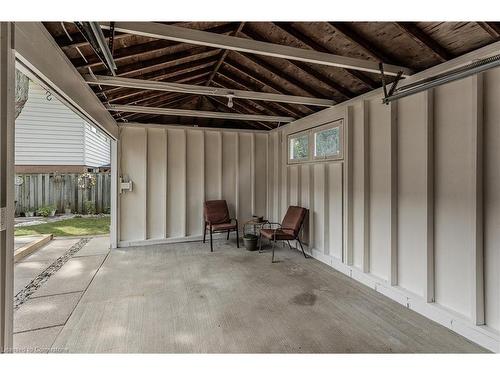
(481, 335)
(171, 240)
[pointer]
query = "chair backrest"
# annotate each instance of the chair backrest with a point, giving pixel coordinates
(216, 212)
(293, 219)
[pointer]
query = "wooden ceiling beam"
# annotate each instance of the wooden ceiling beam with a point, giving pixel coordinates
(143, 49)
(342, 91)
(181, 34)
(253, 105)
(135, 83)
(281, 75)
(224, 80)
(351, 35)
(304, 39)
(491, 28)
(237, 108)
(174, 76)
(146, 98)
(223, 55)
(263, 81)
(415, 33)
(163, 62)
(173, 100)
(194, 113)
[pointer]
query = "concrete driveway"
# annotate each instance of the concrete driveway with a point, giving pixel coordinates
(48, 285)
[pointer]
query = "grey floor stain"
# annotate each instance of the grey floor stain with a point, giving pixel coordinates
(304, 299)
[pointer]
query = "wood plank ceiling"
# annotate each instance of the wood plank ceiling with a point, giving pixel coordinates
(417, 46)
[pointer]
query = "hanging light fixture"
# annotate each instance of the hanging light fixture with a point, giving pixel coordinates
(230, 100)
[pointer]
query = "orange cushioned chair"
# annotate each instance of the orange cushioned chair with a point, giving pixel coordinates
(217, 220)
(288, 230)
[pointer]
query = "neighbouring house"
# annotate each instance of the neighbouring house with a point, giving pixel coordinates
(50, 137)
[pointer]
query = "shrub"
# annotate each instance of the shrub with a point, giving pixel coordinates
(46, 210)
(89, 208)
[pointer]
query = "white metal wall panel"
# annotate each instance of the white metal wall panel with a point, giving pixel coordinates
(492, 198)
(412, 185)
(453, 196)
(379, 126)
(156, 183)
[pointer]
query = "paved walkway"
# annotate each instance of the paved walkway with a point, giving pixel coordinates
(39, 318)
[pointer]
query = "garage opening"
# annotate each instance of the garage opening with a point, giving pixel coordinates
(287, 187)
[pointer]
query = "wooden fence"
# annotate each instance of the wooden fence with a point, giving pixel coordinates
(61, 190)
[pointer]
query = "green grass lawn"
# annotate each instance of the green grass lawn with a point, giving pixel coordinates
(84, 226)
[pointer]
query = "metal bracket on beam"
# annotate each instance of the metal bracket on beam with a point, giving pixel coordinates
(384, 83)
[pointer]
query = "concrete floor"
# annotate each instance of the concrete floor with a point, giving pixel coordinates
(182, 298)
(41, 318)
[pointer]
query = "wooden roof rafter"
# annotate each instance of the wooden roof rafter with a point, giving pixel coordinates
(338, 88)
(415, 33)
(190, 36)
(305, 40)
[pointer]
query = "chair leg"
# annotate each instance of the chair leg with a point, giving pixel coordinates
(227, 236)
(237, 237)
(290, 246)
(211, 242)
(260, 243)
(274, 244)
(302, 248)
(204, 232)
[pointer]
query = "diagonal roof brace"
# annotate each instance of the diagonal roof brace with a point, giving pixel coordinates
(195, 113)
(204, 38)
(204, 90)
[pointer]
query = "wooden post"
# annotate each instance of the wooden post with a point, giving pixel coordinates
(7, 73)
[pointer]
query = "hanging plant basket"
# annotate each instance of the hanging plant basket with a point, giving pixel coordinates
(86, 181)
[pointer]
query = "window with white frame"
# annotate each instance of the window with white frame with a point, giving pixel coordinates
(321, 143)
(299, 147)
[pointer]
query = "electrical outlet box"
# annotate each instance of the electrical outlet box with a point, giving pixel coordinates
(126, 186)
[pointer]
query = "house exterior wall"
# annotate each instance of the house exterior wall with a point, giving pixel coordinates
(47, 132)
(97, 147)
(50, 134)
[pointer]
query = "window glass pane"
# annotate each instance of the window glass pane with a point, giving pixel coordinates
(299, 147)
(327, 142)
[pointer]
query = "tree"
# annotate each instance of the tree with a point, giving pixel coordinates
(22, 88)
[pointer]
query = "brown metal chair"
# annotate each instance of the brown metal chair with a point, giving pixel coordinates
(288, 230)
(217, 220)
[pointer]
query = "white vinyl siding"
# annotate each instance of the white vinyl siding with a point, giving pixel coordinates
(97, 147)
(49, 133)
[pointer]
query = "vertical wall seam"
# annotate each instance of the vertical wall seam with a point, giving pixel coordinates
(203, 183)
(165, 226)
(186, 213)
(430, 269)
(366, 187)
(252, 173)
(393, 277)
(220, 163)
(478, 306)
(237, 177)
(146, 185)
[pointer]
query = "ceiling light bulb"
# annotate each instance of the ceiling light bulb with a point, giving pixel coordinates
(230, 101)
